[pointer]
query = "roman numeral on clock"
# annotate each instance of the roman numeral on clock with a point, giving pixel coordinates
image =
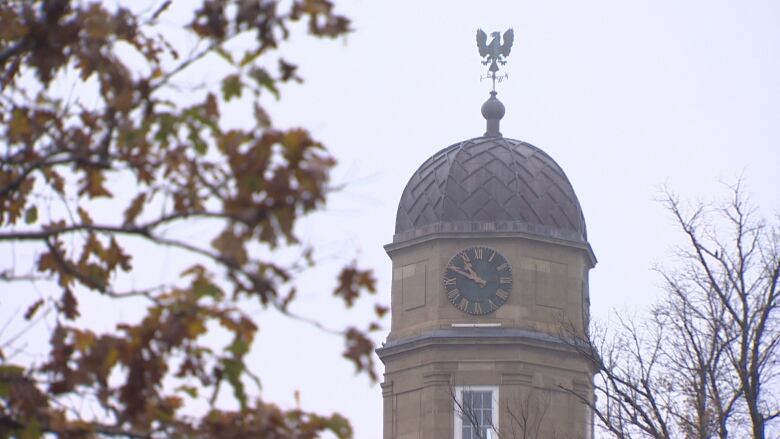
(501, 294)
(478, 252)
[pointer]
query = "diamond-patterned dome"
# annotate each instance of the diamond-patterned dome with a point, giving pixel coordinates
(490, 184)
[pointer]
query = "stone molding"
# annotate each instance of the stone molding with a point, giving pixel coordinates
(387, 388)
(472, 336)
(576, 244)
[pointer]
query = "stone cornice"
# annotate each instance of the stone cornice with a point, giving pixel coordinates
(481, 233)
(474, 336)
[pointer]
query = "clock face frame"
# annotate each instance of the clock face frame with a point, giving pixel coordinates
(477, 280)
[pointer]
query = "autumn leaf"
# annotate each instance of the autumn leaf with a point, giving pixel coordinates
(288, 71)
(233, 370)
(339, 425)
(352, 281)
(97, 24)
(178, 165)
(93, 184)
(231, 87)
(224, 54)
(134, 209)
(264, 80)
(359, 350)
(211, 106)
(31, 215)
(230, 247)
(54, 179)
(68, 305)
(114, 256)
(32, 309)
(380, 310)
(20, 127)
(84, 216)
(191, 391)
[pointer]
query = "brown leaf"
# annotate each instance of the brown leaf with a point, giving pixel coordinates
(30, 313)
(19, 128)
(351, 281)
(211, 107)
(93, 184)
(54, 179)
(380, 310)
(69, 305)
(230, 247)
(97, 24)
(360, 350)
(84, 216)
(114, 256)
(134, 209)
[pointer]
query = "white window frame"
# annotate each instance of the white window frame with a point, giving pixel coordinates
(458, 403)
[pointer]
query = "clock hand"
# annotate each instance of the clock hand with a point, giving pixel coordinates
(472, 275)
(466, 274)
(459, 271)
(470, 268)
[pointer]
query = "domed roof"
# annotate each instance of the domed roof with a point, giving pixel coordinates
(490, 184)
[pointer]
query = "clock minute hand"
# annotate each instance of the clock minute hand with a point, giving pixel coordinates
(459, 271)
(473, 276)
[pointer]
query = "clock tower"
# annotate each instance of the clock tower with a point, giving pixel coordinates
(490, 283)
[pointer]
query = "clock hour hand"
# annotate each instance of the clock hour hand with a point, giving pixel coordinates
(475, 277)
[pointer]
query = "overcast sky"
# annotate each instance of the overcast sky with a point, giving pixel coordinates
(626, 96)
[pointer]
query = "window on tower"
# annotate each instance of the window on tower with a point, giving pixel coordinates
(476, 412)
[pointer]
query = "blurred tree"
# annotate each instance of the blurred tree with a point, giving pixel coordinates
(93, 106)
(707, 362)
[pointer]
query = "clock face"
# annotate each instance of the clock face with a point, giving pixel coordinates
(478, 280)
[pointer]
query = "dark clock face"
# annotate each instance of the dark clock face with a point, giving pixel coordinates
(478, 280)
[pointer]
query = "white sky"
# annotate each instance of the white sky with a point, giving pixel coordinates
(625, 96)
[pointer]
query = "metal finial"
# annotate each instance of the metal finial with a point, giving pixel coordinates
(495, 53)
(493, 111)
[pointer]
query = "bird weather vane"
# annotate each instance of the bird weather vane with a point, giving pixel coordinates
(495, 53)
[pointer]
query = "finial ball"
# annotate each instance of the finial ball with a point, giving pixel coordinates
(493, 109)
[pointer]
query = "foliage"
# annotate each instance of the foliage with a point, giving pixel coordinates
(707, 362)
(129, 125)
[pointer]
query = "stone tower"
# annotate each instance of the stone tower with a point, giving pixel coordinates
(490, 273)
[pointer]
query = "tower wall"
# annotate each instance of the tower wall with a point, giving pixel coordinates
(431, 352)
(549, 291)
(535, 378)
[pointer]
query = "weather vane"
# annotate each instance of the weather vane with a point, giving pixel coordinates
(495, 53)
